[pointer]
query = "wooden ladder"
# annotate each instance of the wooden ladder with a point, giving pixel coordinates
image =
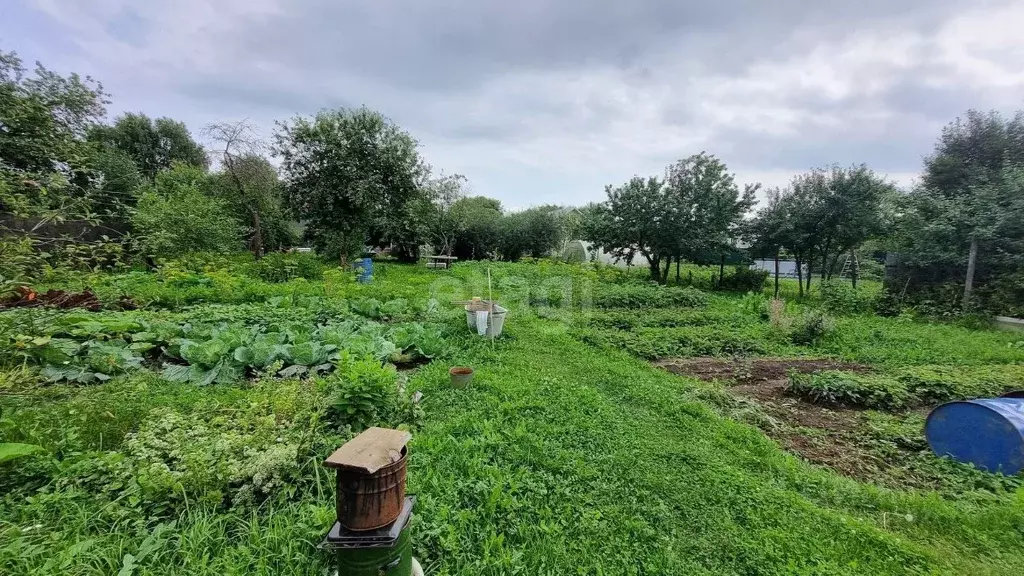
(850, 265)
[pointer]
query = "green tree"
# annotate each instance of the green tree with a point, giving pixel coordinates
(944, 234)
(968, 197)
(840, 209)
(342, 170)
(254, 195)
(250, 185)
(696, 210)
(117, 180)
(178, 215)
(772, 229)
(703, 209)
(630, 222)
(43, 117)
(442, 215)
(480, 235)
(153, 145)
(48, 173)
(534, 232)
(974, 150)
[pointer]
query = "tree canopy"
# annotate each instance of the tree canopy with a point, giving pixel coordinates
(153, 145)
(963, 223)
(695, 210)
(342, 170)
(44, 116)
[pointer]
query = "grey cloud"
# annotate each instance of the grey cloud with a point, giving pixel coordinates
(450, 45)
(557, 95)
(898, 147)
(233, 92)
(129, 27)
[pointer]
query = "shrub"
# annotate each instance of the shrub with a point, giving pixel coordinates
(174, 459)
(665, 318)
(362, 393)
(535, 232)
(841, 298)
(848, 389)
(177, 219)
(282, 267)
(20, 263)
(647, 296)
(744, 279)
(889, 304)
(754, 304)
(812, 328)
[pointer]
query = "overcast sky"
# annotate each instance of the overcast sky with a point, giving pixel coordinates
(547, 101)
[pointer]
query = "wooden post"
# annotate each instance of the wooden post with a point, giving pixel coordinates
(776, 274)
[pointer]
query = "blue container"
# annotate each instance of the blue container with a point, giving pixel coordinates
(988, 432)
(365, 268)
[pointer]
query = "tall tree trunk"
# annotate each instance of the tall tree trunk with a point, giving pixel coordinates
(810, 272)
(257, 234)
(800, 275)
(972, 259)
(677, 270)
(721, 270)
(668, 266)
(257, 242)
(835, 262)
(824, 264)
(654, 263)
(776, 274)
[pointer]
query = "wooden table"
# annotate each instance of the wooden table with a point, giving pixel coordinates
(443, 262)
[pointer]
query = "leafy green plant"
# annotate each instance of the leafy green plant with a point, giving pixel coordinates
(744, 279)
(282, 267)
(430, 343)
(849, 389)
(397, 308)
(20, 263)
(362, 392)
(307, 357)
(366, 307)
(647, 296)
(840, 297)
(12, 451)
(812, 328)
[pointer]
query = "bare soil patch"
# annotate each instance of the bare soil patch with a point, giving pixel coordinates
(753, 370)
(822, 435)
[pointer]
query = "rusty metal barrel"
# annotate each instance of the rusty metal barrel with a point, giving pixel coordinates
(370, 478)
(371, 501)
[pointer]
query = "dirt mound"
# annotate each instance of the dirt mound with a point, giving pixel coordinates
(753, 370)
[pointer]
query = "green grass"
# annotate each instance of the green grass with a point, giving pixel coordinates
(562, 458)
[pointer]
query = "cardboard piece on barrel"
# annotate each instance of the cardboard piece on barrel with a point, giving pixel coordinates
(477, 305)
(370, 451)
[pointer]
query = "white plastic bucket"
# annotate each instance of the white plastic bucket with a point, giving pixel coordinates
(495, 322)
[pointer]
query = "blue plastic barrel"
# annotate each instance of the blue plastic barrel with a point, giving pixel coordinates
(365, 268)
(988, 432)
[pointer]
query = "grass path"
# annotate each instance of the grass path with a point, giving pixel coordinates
(565, 459)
